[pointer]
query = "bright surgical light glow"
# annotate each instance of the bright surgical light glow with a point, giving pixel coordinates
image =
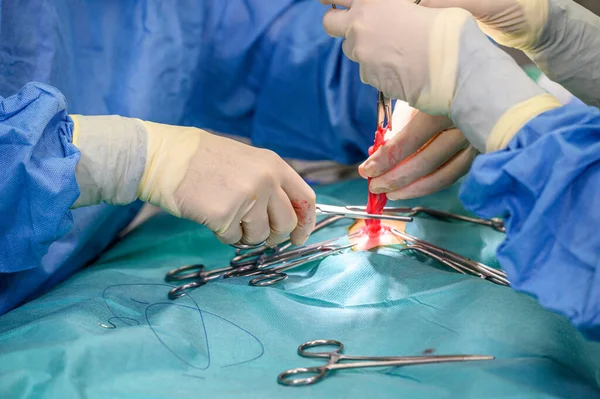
(402, 114)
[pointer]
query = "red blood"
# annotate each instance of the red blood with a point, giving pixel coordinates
(371, 240)
(302, 208)
(376, 202)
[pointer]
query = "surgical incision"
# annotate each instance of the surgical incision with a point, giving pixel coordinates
(372, 233)
(359, 235)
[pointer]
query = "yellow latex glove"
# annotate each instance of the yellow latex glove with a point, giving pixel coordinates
(560, 36)
(243, 194)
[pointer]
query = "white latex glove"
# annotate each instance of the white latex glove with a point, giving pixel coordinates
(560, 36)
(440, 62)
(426, 156)
(243, 194)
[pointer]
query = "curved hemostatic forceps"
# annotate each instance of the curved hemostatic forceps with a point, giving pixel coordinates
(268, 273)
(272, 275)
(267, 264)
(496, 224)
(335, 357)
(456, 262)
(356, 213)
(264, 253)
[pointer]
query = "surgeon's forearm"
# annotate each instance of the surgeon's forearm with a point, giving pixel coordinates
(569, 50)
(545, 184)
(493, 98)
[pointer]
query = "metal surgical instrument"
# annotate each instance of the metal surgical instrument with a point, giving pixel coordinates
(265, 253)
(271, 270)
(274, 275)
(335, 357)
(495, 223)
(196, 273)
(457, 262)
(248, 246)
(384, 110)
(346, 212)
(296, 254)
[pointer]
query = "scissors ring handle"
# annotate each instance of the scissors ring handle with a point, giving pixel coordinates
(176, 274)
(180, 291)
(242, 246)
(268, 279)
(317, 374)
(302, 349)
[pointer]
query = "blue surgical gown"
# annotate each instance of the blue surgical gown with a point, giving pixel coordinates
(546, 184)
(265, 70)
(261, 69)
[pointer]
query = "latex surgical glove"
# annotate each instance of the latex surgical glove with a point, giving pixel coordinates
(560, 36)
(441, 63)
(426, 156)
(243, 194)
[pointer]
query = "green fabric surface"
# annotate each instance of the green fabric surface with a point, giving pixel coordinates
(533, 72)
(227, 339)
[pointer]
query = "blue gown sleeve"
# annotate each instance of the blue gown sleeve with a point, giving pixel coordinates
(38, 184)
(312, 104)
(546, 184)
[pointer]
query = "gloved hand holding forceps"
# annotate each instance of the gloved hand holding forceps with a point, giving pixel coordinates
(558, 35)
(241, 193)
(540, 172)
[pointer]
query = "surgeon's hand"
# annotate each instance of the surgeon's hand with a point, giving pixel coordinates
(389, 39)
(243, 194)
(513, 23)
(440, 62)
(426, 156)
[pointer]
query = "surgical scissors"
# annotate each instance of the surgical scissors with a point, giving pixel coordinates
(494, 223)
(335, 357)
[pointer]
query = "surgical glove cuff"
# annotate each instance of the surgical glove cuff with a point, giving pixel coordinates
(113, 158)
(489, 85)
(444, 48)
(568, 51)
(516, 117)
(170, 153)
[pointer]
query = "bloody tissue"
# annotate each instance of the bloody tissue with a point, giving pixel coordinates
(376, 202)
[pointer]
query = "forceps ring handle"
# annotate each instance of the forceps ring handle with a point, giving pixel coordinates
(268, 279)
(339, 347)
(176, 274)
(318, 373)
